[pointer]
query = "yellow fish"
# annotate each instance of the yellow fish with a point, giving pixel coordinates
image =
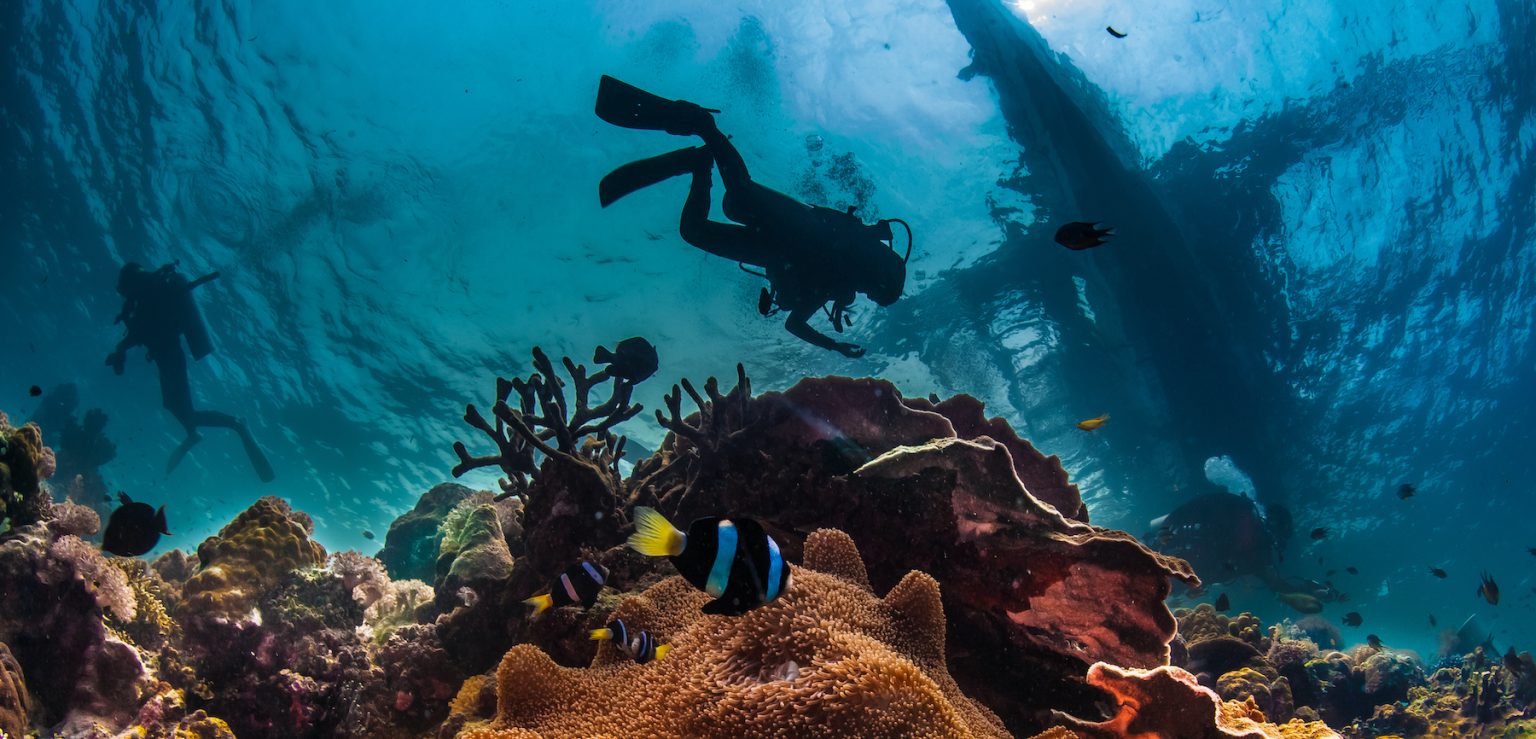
(1093, 423)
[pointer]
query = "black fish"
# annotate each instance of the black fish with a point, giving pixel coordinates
(1437, 572)
(1115, 33)
(634, 359)
(1373, 640)
(1078, 236)
(1532, 550)
(1351, 570)
(580, 583)
(1488, 590)
(642, 647)
(1512, 661)
(1405, 491)
(1222, 604)
(34, 391)
(1432, 622)
(367, 534)
(1353, 619)
(1319, 533)
(134, 528)
(734, 560)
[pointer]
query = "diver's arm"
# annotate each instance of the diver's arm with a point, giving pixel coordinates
(120, 354)
(798, 323)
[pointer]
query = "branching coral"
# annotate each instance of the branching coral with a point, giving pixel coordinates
(700, 436)
(543, 414)
(826, 659)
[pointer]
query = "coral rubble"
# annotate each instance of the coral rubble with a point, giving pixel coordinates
(829, 658)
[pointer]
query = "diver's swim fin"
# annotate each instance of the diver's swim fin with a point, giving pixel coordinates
(258, 458)
(180, 452)
(646, 172)
(623, 104)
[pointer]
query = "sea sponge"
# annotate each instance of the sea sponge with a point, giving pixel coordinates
(249, 557)
(828, 658)
(361, 575)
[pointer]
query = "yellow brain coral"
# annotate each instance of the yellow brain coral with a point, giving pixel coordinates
(827, 659)
(250, 555)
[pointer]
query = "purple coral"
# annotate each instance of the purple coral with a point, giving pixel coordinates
(361, 575)
(70, 518)
(72, 556)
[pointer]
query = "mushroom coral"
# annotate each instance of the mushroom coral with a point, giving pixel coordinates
(828, 658)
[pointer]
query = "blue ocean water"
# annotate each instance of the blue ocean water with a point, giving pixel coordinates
(1324, 268)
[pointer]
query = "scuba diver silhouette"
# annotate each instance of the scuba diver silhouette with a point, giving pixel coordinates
(812, 256)
(158, 310)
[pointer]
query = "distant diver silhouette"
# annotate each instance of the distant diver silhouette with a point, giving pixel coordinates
(158, 310)
(811, 256)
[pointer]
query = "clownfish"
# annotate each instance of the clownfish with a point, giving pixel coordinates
(642, 648)
(580, 583)
(733, 560)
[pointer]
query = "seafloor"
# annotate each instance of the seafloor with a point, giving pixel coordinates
(947, 582)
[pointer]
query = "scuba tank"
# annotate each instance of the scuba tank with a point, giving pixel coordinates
(189, 320)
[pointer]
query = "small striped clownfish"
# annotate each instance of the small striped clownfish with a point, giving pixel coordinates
(642, 647)
(580, 583)
(733, 560)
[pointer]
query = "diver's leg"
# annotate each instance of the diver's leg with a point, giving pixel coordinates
(728, 240)
(733, 169)
(252, 449)
(176, 396)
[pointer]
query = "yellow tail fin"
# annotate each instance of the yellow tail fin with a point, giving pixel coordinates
(654, 535)
(540, 603)
(600, 634)
(662, 650)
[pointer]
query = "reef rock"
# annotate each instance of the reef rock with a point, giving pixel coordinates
(248, 558)
(24, 464)
(14, 702)
(828, 658)
(412, 543)
(1034, 596)
(1168, 702)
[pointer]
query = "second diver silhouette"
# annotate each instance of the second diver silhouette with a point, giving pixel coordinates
(814, 258)
(158, 310)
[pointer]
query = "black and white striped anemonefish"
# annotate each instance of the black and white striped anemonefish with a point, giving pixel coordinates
(734, 560)
(580, 583)
(642, 647)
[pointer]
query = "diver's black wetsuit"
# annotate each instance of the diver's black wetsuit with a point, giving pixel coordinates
(811, 256)
(158, 311)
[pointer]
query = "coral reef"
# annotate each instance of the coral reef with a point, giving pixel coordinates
(24, 464)
(828, 658)
(411, 545)
(1168, 702)
(249, 557)
(1024, 586)
(1483, 696)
